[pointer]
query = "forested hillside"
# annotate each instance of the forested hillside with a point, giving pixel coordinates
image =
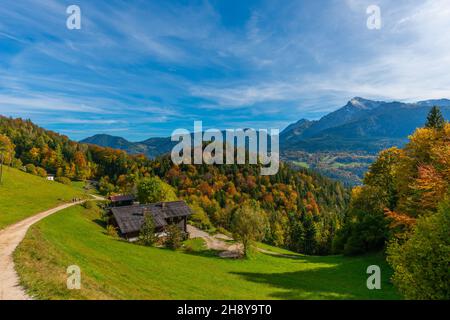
(340, 145)
(304, 210)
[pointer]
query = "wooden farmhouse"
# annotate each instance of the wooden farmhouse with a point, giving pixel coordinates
(129, 219)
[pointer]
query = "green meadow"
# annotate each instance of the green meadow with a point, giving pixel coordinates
(114, 269)
(23, 195)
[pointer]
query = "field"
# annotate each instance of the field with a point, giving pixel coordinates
(115, 269)
(22, 195)
(343, 166)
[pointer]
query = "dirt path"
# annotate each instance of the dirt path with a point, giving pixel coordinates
(97, 198)
(216, 242)
(9, 240)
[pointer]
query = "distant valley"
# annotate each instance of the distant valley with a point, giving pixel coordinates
(342, 144)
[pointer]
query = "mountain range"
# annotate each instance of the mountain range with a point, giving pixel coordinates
(360, 125)
(357, 130)
(151, 147)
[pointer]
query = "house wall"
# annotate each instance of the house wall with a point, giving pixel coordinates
(180, 222)
(121, 203)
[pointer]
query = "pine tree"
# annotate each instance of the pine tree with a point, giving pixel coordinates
(435, 119)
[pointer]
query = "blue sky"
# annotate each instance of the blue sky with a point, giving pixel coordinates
(139, 69)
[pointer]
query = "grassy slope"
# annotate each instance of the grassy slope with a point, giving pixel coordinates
(22, 195)
(115, 269)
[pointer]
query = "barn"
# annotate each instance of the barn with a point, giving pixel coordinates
(121, 200)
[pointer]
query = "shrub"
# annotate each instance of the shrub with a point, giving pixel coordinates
(16, 163)
(174, 237)
(89, 204)
(421, 264)
(41, 172)
(30, 168)
(63, 180)
(111, 231)
(199, 218)
(195, 245)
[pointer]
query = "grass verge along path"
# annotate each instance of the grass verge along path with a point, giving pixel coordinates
(9, 240)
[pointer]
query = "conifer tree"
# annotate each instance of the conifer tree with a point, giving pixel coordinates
(435, 119)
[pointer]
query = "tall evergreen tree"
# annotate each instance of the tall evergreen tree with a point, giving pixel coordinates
(435, 119)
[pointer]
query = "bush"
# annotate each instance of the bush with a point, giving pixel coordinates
(421, 264)
(111, 231)
(16, 163)
(89, 205)
(174, 237)
(199, 218)
(41, 172)
(63, 180)
(30, 168)
(195, 245)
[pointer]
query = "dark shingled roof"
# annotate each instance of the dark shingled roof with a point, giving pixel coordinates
(122, 197)
(131, 218)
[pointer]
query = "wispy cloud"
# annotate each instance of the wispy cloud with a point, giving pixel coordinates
(37, 102)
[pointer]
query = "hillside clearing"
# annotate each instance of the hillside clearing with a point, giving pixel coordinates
(23, 194)
(114, 269)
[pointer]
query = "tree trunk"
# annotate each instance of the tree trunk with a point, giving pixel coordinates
(245, 244)
(2, 156)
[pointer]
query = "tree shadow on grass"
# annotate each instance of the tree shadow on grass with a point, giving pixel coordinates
(281, 255)
(307, 284)
(207, 253)
(100, 222)
(322, 280)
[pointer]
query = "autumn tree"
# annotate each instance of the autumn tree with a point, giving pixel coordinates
(382, 175)
(6, 153)
(366, 228)
(421, 264)
(153, 189)
(249, 225)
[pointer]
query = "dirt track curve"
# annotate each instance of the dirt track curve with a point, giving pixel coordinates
(10, 237)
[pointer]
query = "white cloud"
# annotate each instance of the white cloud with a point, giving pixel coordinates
(408, 59)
